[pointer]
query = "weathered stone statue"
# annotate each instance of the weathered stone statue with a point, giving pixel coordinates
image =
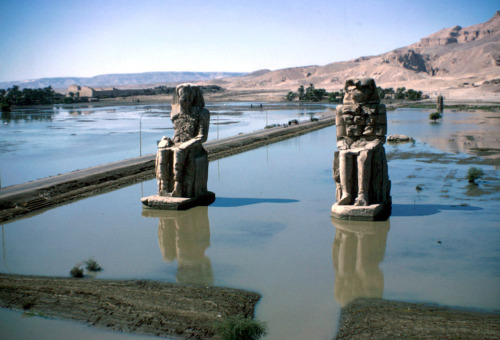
(360, 165)
(182, 162)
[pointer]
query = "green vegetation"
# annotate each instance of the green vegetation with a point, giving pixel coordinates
(76, 271)
(237, 327)
(14, 96)
(335, 97)
(92, 265)
(383, 93)
(400, 93)
(474, 173)
(435, 116)
(419, 188)
(312, 94)
(290, 96)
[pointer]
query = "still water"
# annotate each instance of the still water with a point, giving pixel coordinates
(38, 143)
(272, 233)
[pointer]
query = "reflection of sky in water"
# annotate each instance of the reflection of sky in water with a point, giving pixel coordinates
(37, 143)
(271, 232)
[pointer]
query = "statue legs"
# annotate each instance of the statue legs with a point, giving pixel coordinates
(179, 161)
(364, 170)
(346, 160)
(345, 170)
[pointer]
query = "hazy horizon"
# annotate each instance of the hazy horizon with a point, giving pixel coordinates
(56, 38)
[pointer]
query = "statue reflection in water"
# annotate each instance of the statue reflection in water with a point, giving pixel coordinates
(357, 251)
(184, 236)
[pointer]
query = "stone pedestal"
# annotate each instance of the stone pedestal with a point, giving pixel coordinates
(177, 203)
(372, 212)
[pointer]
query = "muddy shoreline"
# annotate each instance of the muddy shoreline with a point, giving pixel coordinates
(384, 319)
(134, 306)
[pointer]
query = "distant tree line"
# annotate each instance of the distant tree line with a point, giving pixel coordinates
(170, 90)
(44, 96)
(400, 93)
(14, 96)
(312, 94)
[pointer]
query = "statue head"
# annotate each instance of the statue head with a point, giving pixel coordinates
(188, 96)
(361, 91)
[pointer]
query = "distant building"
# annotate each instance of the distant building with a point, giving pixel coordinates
(86, 92)
(83, 93)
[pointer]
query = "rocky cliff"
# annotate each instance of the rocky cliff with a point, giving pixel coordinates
(449, 59)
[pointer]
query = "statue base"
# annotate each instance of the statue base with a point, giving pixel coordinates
(374, 212)
(177, 203)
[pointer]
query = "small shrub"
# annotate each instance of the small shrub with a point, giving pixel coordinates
(419, 188)
(474, 173)
(237, 327)
(93, 266)
(435, 116)
(76, 271)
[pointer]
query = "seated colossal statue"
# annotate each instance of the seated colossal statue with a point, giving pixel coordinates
(182, 161)
(360, 164)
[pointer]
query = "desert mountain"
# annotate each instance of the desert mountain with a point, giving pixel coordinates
(135, 80)
(453, 58)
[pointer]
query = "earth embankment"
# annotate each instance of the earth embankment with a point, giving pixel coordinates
(384, 319)
(134, 306)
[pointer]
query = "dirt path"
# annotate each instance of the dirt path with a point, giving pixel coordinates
(382, 319)
(143, 307)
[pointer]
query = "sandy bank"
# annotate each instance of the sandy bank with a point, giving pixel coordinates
(382, 319)
(143, 307)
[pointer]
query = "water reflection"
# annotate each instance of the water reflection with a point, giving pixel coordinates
(357, 251)
(184, 236)
(27, 116)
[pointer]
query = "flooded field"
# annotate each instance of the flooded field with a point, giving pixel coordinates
(270, 230)
(38, 143)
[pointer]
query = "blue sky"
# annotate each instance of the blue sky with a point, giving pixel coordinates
(62, 38)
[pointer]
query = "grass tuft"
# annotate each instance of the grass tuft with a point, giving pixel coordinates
(76, 271)
(237, 327)
(92, 265)
(474, 173)
(435, 116)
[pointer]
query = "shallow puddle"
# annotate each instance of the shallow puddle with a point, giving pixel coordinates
(270, 231)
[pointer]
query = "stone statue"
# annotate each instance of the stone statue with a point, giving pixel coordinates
(360, 165)
(182, 162)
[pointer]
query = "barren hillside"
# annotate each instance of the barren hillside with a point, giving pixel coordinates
(454, 61)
